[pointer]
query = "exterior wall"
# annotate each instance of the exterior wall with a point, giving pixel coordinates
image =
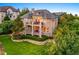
(49, 24)
(2, 15)
(26, 22)
(14, 15)
(9, 11)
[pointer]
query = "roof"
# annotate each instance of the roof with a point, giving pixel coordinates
(58, 13)
(44, 13)
(28, 15)
(5, 8)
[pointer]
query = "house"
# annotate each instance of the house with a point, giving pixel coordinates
(10, 11)
(39, 22)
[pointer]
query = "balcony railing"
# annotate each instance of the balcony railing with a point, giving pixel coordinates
(35, 23)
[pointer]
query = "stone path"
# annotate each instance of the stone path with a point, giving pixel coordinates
(32, 41)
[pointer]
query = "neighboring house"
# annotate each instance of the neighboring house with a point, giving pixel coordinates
(10, 11)
(39, 22)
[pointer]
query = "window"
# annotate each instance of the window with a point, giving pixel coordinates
(39, 12)
(36, 28)
(45, 29)
(2, 15)
(10, 16)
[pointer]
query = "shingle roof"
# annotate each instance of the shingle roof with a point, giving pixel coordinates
(58, 13)
(4, 9)
(44, 13)
(28, 15)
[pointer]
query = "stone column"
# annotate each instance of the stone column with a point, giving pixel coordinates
(40, 30)
(32, 28)
(25, 28)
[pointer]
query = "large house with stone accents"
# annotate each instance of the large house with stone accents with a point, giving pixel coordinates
(39, 22)
(10, 11)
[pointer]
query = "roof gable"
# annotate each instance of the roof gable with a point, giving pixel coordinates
(44, 13)
(5, 8)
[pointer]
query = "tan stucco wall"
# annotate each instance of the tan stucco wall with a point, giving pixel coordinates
(51, 24)
(2, 15)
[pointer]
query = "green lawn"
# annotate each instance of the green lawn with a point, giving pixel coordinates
(20, 48)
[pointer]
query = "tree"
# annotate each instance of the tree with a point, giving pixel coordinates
(17, 26)
(24, 11)
(66, 36)
(68, 39)
(5, 27)
(6, 18)
(50, 48)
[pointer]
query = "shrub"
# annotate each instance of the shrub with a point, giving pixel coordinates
(5, 27)
(29, 36)
(44, 37)
(17, 36)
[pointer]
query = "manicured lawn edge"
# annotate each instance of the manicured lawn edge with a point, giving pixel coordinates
(30, 41)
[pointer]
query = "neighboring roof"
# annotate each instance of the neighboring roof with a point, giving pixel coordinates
(58, 13)
(28, 15)
(5, 8)
(44, 13)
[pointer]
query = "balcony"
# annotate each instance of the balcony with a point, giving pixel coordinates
(35, 22)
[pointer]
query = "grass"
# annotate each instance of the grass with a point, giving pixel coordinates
(20, 48)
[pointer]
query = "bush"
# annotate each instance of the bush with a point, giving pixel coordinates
(29, 36)
(5, 27)
(17, 36)
(44, 37)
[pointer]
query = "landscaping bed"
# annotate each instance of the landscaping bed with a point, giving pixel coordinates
(29, 36)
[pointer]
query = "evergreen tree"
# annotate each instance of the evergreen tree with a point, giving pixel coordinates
(17, 25)
(24, 11)
(6, 18)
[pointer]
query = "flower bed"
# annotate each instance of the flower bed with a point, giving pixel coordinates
(29, 36)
